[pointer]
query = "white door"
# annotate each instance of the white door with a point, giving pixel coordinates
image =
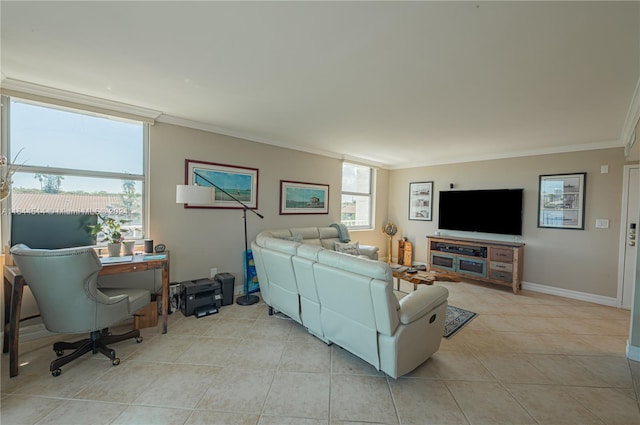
(629, 232)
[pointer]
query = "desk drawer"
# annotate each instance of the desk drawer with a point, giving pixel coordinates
(500, 275)
(497, 265)
(502, 254)
(134, 266)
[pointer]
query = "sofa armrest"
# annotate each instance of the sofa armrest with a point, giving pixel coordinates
(370, 251)
(420, 302)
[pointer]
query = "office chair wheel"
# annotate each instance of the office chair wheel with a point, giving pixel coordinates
(115, 361)
(56, 372)
(139, 339)
(59, 353)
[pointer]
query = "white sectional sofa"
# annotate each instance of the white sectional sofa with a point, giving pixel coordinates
(348, 300)
(326, 237)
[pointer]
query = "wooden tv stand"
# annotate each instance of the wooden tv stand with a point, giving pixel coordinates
(490, 261)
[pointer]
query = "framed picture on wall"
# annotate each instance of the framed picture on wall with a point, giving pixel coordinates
(420, 200)
(561, 201)
(303, 198)
(239, 182)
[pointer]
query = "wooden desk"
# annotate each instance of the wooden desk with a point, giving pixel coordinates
(14, 286)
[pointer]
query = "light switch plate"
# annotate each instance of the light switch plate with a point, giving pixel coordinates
(604, 169)
(602, 223)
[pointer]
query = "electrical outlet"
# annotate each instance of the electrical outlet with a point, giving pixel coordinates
(214, 272)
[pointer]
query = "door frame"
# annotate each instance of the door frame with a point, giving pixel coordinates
(623, 229)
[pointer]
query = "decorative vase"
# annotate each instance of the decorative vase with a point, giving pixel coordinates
(114, 249)
(127, 247)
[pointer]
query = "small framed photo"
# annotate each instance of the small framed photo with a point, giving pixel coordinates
(303, 198)
(561, 201)
(239, 182)
(420, 200)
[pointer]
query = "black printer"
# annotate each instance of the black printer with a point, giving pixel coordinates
(200, 297)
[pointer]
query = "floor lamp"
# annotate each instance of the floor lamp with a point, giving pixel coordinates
(203, 195)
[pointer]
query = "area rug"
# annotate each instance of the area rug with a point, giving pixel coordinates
(456, 319)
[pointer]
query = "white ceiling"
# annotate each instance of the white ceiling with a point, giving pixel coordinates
(395, 83)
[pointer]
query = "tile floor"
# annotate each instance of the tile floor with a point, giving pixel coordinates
(526, 359)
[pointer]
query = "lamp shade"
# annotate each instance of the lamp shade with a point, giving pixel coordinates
(194, 195)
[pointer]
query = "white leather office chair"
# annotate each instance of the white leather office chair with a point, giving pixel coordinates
(64, 284)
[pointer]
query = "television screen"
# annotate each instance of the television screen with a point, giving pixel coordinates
(487, 211)
(52, 231)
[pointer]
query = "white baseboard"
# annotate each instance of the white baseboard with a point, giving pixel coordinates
(633, 352)
(568, 293)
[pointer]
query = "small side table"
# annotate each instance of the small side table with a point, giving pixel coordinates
(422, 278)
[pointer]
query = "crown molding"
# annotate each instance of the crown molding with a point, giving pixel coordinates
(168, 119)
(197, 125)
(514, 154)
(77, 98)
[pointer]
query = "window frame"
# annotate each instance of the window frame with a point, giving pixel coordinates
(5, 147)
(370, 194)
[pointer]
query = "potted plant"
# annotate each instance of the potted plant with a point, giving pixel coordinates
(112, 233)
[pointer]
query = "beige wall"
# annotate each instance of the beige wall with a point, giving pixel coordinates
(203, 238)
(583, 261)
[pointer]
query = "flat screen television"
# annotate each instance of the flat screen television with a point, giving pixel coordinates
(487, 211)
(52, 231)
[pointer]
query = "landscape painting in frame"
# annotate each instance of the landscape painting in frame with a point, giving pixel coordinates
(303, 198)
(240, 183)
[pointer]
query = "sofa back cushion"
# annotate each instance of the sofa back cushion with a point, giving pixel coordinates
(357, 301)
(310, 235)
(367, 267)
(319, 236)
(283, 287)
(281, 245)
(347, 314)
(309, 302)
(385, 306)
(328, 237)
(262, 237)
(328, 233)
(309, 252)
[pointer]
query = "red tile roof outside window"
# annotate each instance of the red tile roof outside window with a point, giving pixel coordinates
(69, 203)
(63, 203)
